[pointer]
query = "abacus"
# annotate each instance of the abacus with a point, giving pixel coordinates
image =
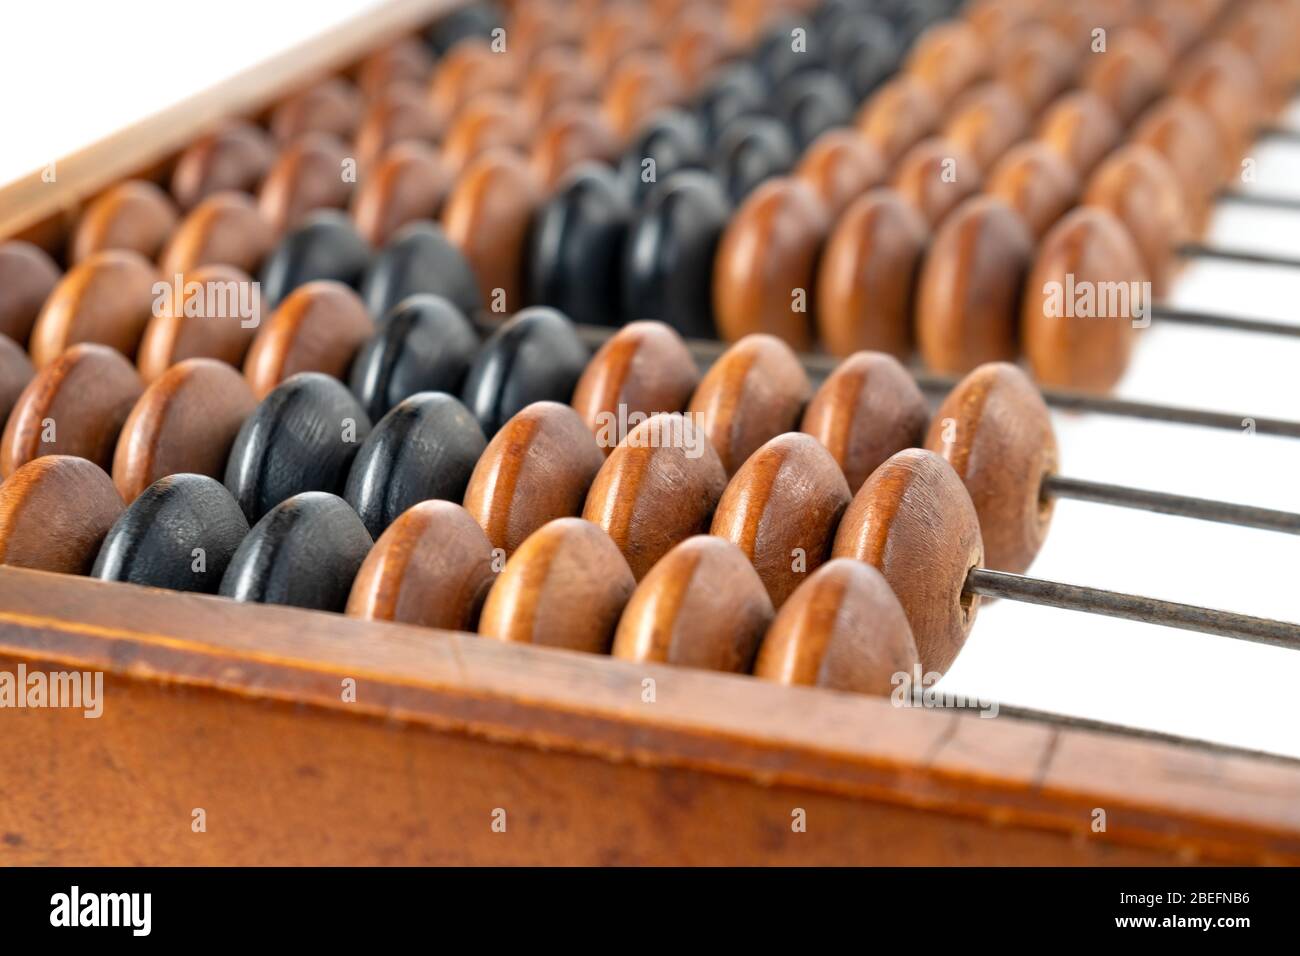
(592, 326)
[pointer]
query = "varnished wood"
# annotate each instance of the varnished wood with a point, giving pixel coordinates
(15, 372)
(1038, 64)
(409, 182)
(1129, 75)
(1182, 133)
(310, 174)
(399, 113)
(935, 176)
(841, 165)
(108, 300)
(135, 214)
(233, 157)
(986, 122)
(1081, 128)
(489, 121)
(948, 57)
(466, 71)
(1035, 181)
(28, 276)
(200, 319)
(898, 116)
(318, 328)
(1226, 85)
(573, 134)
(405, 61)
(332, 106)
(226, 228)
(39, 529)
(556, 78)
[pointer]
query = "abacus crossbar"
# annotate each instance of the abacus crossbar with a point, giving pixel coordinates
(1205, 509)
(1132, 607)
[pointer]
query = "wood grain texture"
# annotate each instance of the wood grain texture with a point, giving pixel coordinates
(935, 176)
(1129, 76)
(1034, 180)
(987, 121)
(409, 182)
(643, 83)
(28, 276)
(1038, 63)
(489, 121)
(948, 57)
(565, 586)
(1082, 128)
(466, 71)
(233, 157)
(39, 529)
(840, 165)
(135, 215)
(226, 228)
(318, 328)
(898, 116)
(914, 521)
(573, 134)
(107, 299)
(308, 175)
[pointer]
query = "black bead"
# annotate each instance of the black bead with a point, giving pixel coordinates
(301, 437)
(811, 102)
(324, 246)
(740, 90)
(534, 357)
(668, 263)
(305, 552)
(751, 150)
(475, 20)
(180, 533)
(673, 140)
(420, 258)
(863, 53)
(424, 344)
(783, 51)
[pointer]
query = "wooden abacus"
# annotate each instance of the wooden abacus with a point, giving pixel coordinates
(393, 734)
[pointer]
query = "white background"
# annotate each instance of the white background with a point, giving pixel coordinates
(71, 73)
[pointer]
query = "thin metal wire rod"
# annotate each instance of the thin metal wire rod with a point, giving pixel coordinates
(1205, 509)
(1258, 198)
(1217, 320)
(1131, 607)
(1197, 250)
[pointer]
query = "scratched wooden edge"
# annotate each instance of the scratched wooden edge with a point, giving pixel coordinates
(28, 202)
(1006, 772)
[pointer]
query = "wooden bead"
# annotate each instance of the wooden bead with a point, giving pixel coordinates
(432, 567)
(620, 30)
(309, 175)
(409, 182)
(697, 45)
(844, 629)
(935, 176)
(703, 605)
(108, 299)
(426, 447)
(406, 62)
(305, 553)
(15, 372)
(491, 121)
(332, 106)
(301, 437)
(865, 276)
(397, 114)
(212, 313)
(572, 135)
(986, 122)
(134, 214)
(565, 587)
(867, 410)
(840, 166)
(673, 140)
(324, 246)
(914, 522)
(811, 103)
(1088, 251)
(754, 392)
(1081, 128)
(234, 157)
(1129, 75)
(1038, 64)
(537, 468)
(318, 328)
(1036, 182)
(898, 116)
(54, 512)
(996, 432)
(423, 345)
(469, 70)
(557, 77)
(27, 278)
(782, 508)
(1170, 27)
(656, 489)
(949, 57)
(74, 406)
(750, 151)
(419, 258)
(179, 533)
(644, 368)
(766, 263)
(223, 229)
(1183, 135)
(186, 421)
(968, 294)
(1226, 85)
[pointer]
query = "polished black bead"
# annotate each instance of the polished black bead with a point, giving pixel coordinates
(180, 533)
(739, 90)
(751, 150)
(475, 20)
(535, 356)
(811, 102)
(424, 344)
(420, 258)
(668, 262)
(305, 552)
(301, 437)
(672, 141)
(792, 45)
(863, 53)
(324, 246)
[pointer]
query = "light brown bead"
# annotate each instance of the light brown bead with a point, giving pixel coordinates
(311, 174)
(986, 122)
(397, 114)
(1224, 83)
(234, 157)
(898, 116)
(844, 629)
(1082, 128)
(703, 605)
(135, 215)
(573, 134)
(840, 165)
(1129, 75)
(1037, 64)
(913, 520)
(949, 57)
(408, 182)
(469, 69)
(201, 317)
(433, 567)
(642, 84)
(15, 372)
(406, 62)
(619, 31)
(936, 176)
(1181, 132)
(867, 410)
(27, 278)
(697, 44)
(1037, 183)
(224, 229)
(489, 122)
(996, 432)
(54, 513)
(333, 106)
(565, 586)
(557, 78)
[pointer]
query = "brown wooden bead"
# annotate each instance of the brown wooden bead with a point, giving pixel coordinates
(898, 116)
(108, 299)
(318, 328)
(843, 628)
(201, 317)
(703, 605)
(1140, 189)
(487, 217)
(658, 487)
(134, 215)
(545, 26)
(621, 30)
(405, 62)
(1037, 183)
(1129, 75)
(914, 522)
(993, 19)
(935, 176)
(489, 122)
(866, 276)
(1224, 83)
(471, 68)
(15, 372)
(764, 268)
(968, 294)
(840, 166)
(54, 513)
(1037, 64)
(573, 134)
(432, 567)
(1181, 132)
(986, 122)
(558, 77)
(234, 157)
(408, 182)
(641, 85)
(312, 173)
(333, 106)
(565, 586)
(996, 432)
(644, 368)
(1089, 251)
(949, 57)
(867, 410)
(27, 278)
(185, 422)
(224, 229)
(538, 467)
(697, 44)
(754, 392)
(782, 508)
(74, 406)
(398, 113)
(1170, 26)
(1082, 128)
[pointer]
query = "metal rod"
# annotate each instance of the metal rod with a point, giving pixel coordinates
(1130, 607)
(1217, 320)
(1251, 197)
(1161, 502)
(1196, 250)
